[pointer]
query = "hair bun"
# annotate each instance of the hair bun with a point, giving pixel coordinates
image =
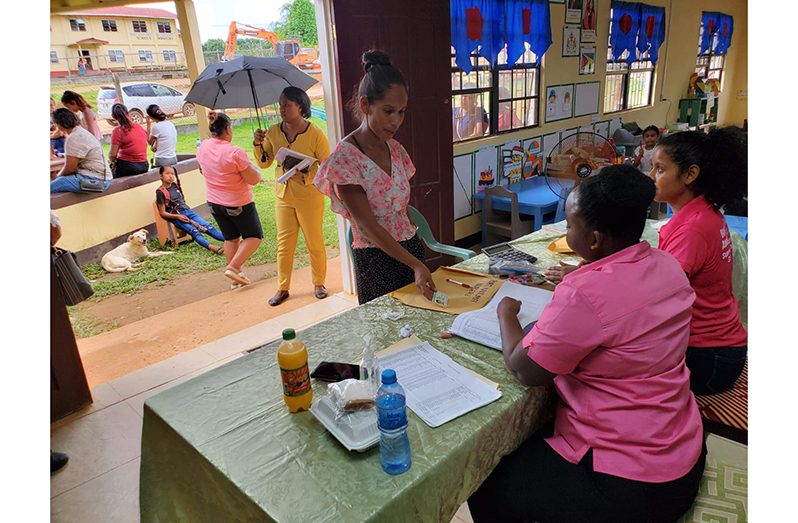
(374, 57)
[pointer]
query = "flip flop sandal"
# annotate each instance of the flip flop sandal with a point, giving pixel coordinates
(321, 294)
(237, 277)
(219, 251)
(276, 300)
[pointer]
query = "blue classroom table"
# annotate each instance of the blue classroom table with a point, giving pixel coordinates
(535, 198)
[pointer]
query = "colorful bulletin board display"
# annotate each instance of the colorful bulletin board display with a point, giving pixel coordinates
(533, 157)
(570, 40)
(573, 11)
(512, 163)
(559, 102)
(463, 185)
(587, 59)
(586, 100)
(589, 21)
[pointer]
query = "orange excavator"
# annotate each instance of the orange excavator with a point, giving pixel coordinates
(302, 57)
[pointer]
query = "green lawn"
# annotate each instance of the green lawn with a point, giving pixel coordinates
(190, 257)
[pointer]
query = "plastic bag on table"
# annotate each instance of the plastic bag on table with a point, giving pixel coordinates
(351, 395)
(500, 267)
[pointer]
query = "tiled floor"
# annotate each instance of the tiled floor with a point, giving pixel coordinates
(101, 481)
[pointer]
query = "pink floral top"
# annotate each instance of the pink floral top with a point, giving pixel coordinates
(388, 195)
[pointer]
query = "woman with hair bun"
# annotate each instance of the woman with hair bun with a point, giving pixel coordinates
(698, 174)
(626, 443)
(367, 178)
(77, 104)
(162, 137)
(128, 145)
(298, 204)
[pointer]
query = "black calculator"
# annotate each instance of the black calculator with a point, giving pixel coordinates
(505, 251)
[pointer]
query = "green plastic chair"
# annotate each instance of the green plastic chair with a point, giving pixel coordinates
(425, 233)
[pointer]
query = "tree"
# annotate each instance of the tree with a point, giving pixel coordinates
(213, 45)
(298, 20)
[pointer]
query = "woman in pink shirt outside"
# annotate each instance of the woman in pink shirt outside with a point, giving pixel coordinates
(229, 177)
(627, 441)
(698, 174)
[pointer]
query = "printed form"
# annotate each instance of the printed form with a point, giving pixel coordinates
(438, 388)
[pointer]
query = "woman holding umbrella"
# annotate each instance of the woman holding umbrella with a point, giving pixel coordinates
(299, 205)
(229, 177)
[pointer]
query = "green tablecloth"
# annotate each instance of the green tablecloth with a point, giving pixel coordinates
(223, 447)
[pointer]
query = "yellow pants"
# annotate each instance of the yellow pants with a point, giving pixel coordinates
(305, 214)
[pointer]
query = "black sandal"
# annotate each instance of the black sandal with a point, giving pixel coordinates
(278, 298)
(321, 293)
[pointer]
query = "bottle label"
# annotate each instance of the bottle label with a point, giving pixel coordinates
(392, 419)
(296, 382)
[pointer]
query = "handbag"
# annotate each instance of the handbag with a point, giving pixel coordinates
(92, 185)
(74, 285)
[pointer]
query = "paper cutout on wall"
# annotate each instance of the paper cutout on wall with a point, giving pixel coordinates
(533, 157)
(463, 185)
(512, 158)
(485, 168)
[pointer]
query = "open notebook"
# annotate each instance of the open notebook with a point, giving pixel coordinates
(292, 162)
(482, 325)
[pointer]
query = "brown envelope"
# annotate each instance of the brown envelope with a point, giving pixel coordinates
(483, 287)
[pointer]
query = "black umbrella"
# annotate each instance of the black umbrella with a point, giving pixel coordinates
(246, 82)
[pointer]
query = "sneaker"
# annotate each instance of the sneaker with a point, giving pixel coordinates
(237, 277)
(57, 461)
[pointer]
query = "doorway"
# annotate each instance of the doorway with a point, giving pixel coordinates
(86, 55)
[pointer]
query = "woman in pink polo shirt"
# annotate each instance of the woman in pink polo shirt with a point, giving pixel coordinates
(626, 442)
(229, 177)
(698, 174)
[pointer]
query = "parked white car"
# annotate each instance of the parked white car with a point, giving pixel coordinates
(140, 95)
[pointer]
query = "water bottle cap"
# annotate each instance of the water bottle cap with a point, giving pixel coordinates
(388, 376)
(289, 334)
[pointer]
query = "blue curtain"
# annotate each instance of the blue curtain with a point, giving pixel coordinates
(652, 30)
(711, 22)
(725, 30)
(492, 23)
(625, 26)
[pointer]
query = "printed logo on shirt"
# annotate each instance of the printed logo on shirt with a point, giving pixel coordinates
(725, 245)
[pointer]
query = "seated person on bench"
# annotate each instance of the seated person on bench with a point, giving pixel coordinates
(172, 207)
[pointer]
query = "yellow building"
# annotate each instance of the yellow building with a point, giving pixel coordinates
(114, 39)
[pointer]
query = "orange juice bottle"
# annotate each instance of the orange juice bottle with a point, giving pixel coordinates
(292, 356)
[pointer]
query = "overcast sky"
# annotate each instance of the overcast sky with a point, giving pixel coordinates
(214, 16)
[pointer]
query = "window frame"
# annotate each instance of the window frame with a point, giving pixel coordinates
(527, 62)
(54, 57)
(114, 54)
(164, 27)
(109, 26)
(77, 24)
(139, 26)
(621, 69)
(167, 53)
(147, 55)
(709, 55)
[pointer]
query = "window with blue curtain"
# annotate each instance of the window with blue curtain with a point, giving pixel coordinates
(714, 40)
(496, 50)
(637, 32)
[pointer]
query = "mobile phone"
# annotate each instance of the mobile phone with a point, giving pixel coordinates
(332, 371)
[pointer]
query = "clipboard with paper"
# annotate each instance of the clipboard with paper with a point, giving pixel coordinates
(292, 162)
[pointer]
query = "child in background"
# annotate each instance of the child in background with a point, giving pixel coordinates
(645, 151)
(172, 207)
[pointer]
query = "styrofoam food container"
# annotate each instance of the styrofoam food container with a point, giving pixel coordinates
(356, 431)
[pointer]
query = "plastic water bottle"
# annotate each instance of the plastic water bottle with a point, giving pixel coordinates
(392, 422)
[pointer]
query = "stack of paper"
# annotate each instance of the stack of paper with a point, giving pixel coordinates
(303, 159)
(482, 325)
(438, 389)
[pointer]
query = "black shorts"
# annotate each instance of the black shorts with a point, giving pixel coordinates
(237, 222)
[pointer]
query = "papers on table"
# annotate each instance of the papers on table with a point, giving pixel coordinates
(295, 160)
(438, 388)
(482, 325)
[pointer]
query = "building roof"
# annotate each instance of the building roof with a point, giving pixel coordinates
(142, 12)
(89, 41)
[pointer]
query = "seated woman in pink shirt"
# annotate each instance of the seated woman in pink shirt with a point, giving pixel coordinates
(626, 442)
(229, 177)
(697, 175)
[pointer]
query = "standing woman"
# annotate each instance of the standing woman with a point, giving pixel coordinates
(162, 137)
(128, 145)
(77, 104)
(298, 203)
(697, 175)
(229, 177)
(367, 178)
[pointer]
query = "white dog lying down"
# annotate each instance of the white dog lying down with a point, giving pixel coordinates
(122, 258)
